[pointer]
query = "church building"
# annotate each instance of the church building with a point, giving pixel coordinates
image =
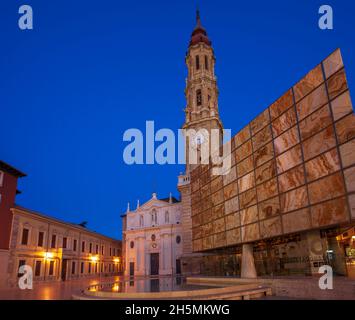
(152, 238)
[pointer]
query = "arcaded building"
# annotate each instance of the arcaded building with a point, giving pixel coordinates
(287, 205)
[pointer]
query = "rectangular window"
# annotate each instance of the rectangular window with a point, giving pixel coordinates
(197, 62)
(54, 240)
(73, 267)
(51, 268)
(110, 252)
(102, 250)
(206, 62)
(89, 267)
(114, 251)
(90, 248)
(40, 239)
(101, 267)
(64, 243)
(20, 264)
(95, 267)
(198, 97)
(83, 246)
(24, 240)
(97, 249)
(82, 267)
(74, 244)
(38, 268)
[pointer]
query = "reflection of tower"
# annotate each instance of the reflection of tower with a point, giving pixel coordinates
(201, 90)
(201, 115)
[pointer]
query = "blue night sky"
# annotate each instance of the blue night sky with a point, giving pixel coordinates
(92, 69)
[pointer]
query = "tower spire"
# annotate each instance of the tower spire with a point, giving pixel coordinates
(198, 19)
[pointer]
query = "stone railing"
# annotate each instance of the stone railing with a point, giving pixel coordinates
(183, 179)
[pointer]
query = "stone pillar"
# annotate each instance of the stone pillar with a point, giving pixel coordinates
(248, 265)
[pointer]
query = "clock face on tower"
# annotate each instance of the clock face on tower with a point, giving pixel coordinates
(199, 139)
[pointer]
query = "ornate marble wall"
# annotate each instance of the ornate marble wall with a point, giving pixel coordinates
(293, 167)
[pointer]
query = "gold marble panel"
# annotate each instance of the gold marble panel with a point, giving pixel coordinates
(231, 190)
(267, 190)
(206, 203)
(323, 165)
(293, 200)
(265, 172)
(242, 136)
(243, 151)
(245, 166)
(260, 122)
(286, 140)
(195, 185)
(269, 208)
(342, 106)
(197, 232)
(247, 198)
(250, 232)
(315, 122)
(196, 220)
(345, 128)
(218, 211)
(216, 184)
(326, 188)
(219, 240)
(207, 216)
(284, 122)
(291, 179)
(263, 154)
(330, 212)
(217, 197)
(231, 205)
(270, 227)
(230, 176)
(207, 243)
(218, 225)
(232, 221)
(249, 215)
(337, 84)
(197, 245)
(312, 102)
(349, 175)
(207, 229)
(281, 104)
(233, 236)
(289, 159)
(261, 138)
(319, 143)
(312, 80)
(333, 63)
(246, 182)
(296, 221)
(347, 153)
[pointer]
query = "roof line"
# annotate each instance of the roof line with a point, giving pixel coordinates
(73, 225)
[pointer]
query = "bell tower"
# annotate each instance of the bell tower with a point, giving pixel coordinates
(201, 91)
(201, 115)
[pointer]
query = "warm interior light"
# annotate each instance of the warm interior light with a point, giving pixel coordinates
(48, 255)
(94, 258)
(116, 260)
